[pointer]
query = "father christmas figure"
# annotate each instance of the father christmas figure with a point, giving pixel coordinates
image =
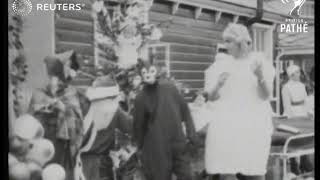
(60, 108)
(159, 111)
(101, 122)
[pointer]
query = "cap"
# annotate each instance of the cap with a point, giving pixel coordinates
(27, 127)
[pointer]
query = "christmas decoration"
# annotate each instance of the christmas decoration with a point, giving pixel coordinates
(123, 29)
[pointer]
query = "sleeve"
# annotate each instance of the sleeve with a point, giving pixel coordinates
(310, 104)
(84, 103)
(185, 113)
(269, 73)
(211, 77)
(212, 73)
(268, 70)
(286, 101)
(124, 122)
(139, 122)
(38, 102)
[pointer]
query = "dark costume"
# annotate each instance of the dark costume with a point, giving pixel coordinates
(159, 111)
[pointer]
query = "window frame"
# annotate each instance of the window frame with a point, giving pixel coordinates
(153, 46)
(270, 30)
(268, 34)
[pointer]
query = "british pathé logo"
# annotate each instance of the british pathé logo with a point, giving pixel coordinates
(294, 24)
(295, 11)
(24, 7)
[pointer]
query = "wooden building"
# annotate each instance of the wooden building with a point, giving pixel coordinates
(189, 42)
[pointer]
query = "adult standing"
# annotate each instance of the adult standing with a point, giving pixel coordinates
(239, 136)
(294, 94)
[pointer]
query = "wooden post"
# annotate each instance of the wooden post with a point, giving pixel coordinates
(280, 54)
(12, 116)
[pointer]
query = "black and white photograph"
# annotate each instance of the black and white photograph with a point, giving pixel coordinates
(161, 89)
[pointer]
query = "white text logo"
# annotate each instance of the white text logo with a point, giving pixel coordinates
(24, 7)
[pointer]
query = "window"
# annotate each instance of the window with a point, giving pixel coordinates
(103, 50)
(161, 52)
(221, 48)
(263, 39)
(263, 42)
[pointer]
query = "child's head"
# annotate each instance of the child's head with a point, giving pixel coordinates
(53, 172)
(148, 71)
(294, 72)
(25, 129)
(237, 39)
(41, 152)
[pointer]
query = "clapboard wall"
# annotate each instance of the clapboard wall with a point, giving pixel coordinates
(74, 31)
(192, 41)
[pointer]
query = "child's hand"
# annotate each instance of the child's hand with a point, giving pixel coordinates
(200, 100)
(223, 78)
(60, 105)
(195, 141)
(257, 68)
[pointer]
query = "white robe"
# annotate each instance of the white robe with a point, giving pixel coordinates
(239, 135)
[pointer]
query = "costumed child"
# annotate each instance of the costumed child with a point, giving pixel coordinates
(159, 111)
(100, 124)
(61, 108)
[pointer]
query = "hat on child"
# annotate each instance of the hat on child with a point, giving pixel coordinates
(103, 87)
(27, 127)
(62, 65)
(53, 172)
(292, 69)
(238, 32)
(41, 152)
